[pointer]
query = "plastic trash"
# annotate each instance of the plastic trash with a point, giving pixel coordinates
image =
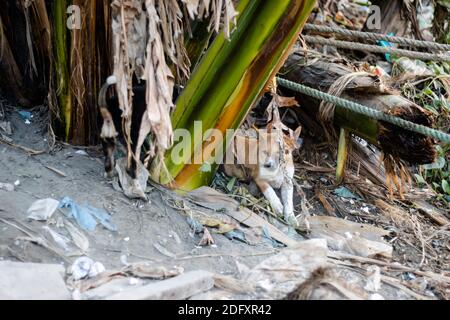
(7, 187)
(82, 153)
(132, 188)
(87, 216)
(60, 240)
(269, 240)
(373, 279)
(195, 225)
(343, 192)
(415, 67)
(42, 210)
(85, 267)
(25, 115)
(78, 238)
(386, 44)
(236, 235)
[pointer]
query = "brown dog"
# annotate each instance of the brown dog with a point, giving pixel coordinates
(267, 160)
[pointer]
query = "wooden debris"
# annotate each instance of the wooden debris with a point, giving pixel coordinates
(326, 204)
(432, 213)
(280, 274)
(147, 271)
(59, 172)
(232, 284)
(140, 270)
(207, 239)
(369, 91)
(318, 280)
(215, 200)
(34, 239)
(394, 266)
(178, 288)
(361, 239)
(396, 284)
(31, 152)
(164, 251)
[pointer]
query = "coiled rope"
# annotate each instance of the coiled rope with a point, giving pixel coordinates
(378, 49)
(361, 109)
(377, 36)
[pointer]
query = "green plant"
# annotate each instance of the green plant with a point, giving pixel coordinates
(437, 174)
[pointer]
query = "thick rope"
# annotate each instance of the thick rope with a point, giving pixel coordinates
(377, 49)
(326, 109)
(377, 36)
(361, 109)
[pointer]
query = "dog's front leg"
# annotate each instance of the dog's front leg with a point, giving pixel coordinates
(287, 195)
(109, 144)
(271, 196)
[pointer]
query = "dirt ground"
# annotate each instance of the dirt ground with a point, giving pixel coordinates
(78, 173)
(140, 225)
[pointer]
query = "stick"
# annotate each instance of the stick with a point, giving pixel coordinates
(62, 174)
(27, 150)
(227, 255)
(32, 238)
(431, 275)
(393, 282)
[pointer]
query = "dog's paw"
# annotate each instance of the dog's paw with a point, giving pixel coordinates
(277, 206)
(290, 218)
(109, 174)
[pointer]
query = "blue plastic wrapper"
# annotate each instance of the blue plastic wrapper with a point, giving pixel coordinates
(236, 235)
(87, 216)
(343, 192)
(195, 225)
(386, 44)
(269, 240)
(25, 115)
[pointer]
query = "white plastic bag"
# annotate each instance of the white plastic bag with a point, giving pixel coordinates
(43, 209)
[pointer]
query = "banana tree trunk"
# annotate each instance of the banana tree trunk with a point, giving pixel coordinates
(60, 34)
(81, 64)
(40, 57)
(412, 147)
(225, 84)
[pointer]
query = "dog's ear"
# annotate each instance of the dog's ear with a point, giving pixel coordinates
(293, 140)
(297, 134)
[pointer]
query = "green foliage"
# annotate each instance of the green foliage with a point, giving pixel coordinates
(437, 174)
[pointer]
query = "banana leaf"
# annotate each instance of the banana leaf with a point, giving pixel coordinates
(225, 84)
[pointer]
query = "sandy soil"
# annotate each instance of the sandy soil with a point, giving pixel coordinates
(140, 225)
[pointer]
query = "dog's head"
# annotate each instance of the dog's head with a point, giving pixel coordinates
(267, 151)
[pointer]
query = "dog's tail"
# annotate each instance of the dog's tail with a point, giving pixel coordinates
(108, 129)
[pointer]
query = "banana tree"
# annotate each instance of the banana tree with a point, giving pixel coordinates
(45, 56)
(225, 84)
